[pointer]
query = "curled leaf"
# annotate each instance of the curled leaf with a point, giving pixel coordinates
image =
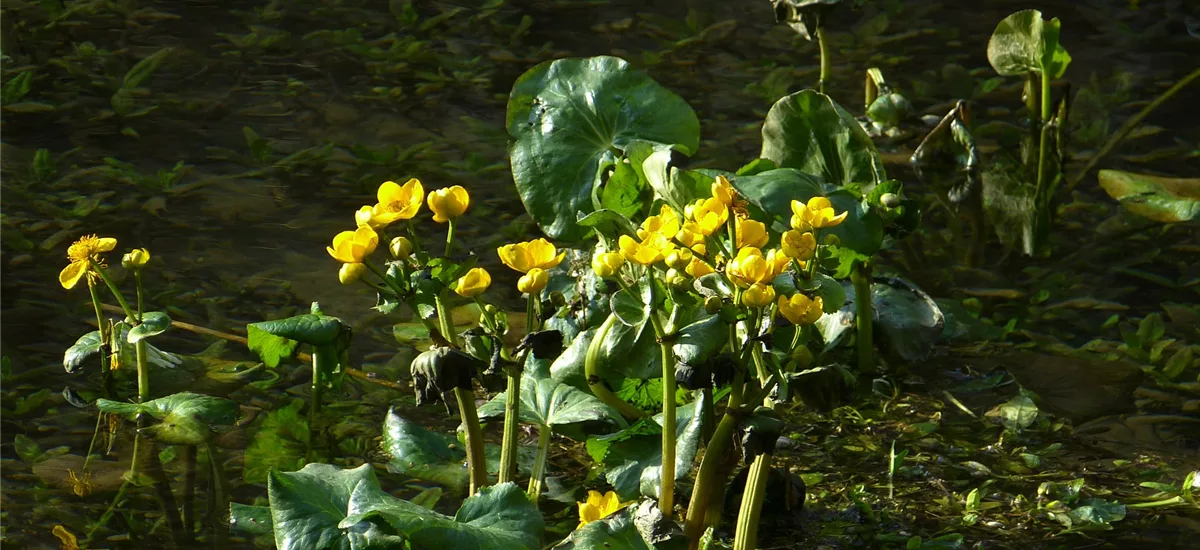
(544, 344)
(440, 370)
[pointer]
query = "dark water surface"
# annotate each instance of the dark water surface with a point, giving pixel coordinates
(238, 239)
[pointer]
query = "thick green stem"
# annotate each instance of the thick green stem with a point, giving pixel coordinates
(476, 462)
(746, 534)
(221, 498)
(105, 344)
(715, 454)
(445, 321)
(539, 463)
(512, 421)
(137, 275)
(596, 383)
(143, 371)
(666, 500)
(860, 275)
(115, 291)
(323, 359)
(824, 58)
(166, 499)
(449, 238)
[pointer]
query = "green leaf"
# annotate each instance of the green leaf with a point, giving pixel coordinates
(568, 368)
(1018, 413)
(270, 348)
(308, 505)
(1165, 200)
(633, 465)
(144, 68)
(279, 443)
(773, 191)
(27, 449)
(15, 88)
(757, 166)
(910, 320)
(499, 517)
(809, 131)
(832, 294)
(252, 521)
(700, 340)
(183, 418)
(86, 346)
(153, 323)
(422, 454)
(615, 532)
(678, 188)
(311, 329)
(1025, 42)
(1096, 514)
(631, 310)
(610, 223)
(629, 351)
(547, 402)
(622, 192)
(572, 117)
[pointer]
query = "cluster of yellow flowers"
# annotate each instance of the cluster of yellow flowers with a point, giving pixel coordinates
(532, 258)
(396, 203)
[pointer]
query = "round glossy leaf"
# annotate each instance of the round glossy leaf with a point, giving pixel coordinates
(809, 131)
(311, 329)
(570, 118)
(153, 322)
(548, 403)
(1025, 42)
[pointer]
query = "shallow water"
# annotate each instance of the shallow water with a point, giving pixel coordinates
(237, 240)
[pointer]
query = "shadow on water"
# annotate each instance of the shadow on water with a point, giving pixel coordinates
(285, 116)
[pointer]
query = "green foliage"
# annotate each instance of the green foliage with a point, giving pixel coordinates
(616, 532)
(87, 345)
(573, 120)
(1024, 42)
(279, 443)
(313, 329)
(153, 323)
(1164, 200)
(773, 191)
(183, 418)
(547, 403)
(270, 348)
(632, 458)
(810, 132)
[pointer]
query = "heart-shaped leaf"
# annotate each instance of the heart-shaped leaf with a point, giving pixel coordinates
(547, 402)
(309, 328)
(630, 309)
(572, 118)
(809, 131)
(153, 322)
(610, 223)
(700, 340)
(615, 532)
(183, 418)
(437, 457)
(1025, 42)
(86, 346)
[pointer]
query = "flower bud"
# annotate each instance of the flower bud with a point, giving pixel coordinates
(675, 278)
(350, 273)
(679, 259)
(606, 264)
(758, 295)
(400, 247)
(534, 281)
(890, 200)
(473, 283)
(135, 259)
(712, 305)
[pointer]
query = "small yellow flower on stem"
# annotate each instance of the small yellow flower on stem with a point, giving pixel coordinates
(692, 237)
(666, 222)
(751, 266)
(352, 247)
(533, 281)
(817, 213)
(400, 248)
(366, 216)
(758, 295)
(523, 257)
(798, 244)
(723, 191)
(698, 268)
(709, 215)
(598, 507)
(350, 273)
(473, 283)
(398, 202)
(448, 203)
(135, 259)
(87, 249)
(750, 233)
(648, 252)
(606, 264)
(680, 258)
(800, 309)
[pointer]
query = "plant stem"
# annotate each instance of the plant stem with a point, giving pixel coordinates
(445, 321)
(1130, 125)
(539, 464)
(824, 58)
(115, 291)
(221, 488)
(512, 408)
(449, 238)
(320, 357)
(105, 344)
(592, 375)
(143, 370)
(746, 534)
(476, 463)
(666, 499)
(707, 482)
(860, 275)
(107, 515)
(137, 276)
(166, 499)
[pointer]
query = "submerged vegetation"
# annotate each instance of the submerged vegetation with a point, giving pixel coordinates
(913, 324)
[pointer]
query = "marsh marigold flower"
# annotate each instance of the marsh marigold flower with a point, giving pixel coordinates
(598, 507)
(750, 233)
(817, 213)
(87, 249)
(474, 283)
(709, 215)
(350, 273)
(800, 309)
(534, 281)
(400, 247)
(666, 222)
(448, 203)
(396, 202)
(523, 257)
(698, 268)
(689, 235)
(798, 244)
(135, 259)
(606, 264)
(647, 252)
(751, 266)
(758, 295)
(723, 191)
(351, 247)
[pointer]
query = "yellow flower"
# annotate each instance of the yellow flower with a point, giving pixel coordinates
(750, 233)
(817, 214)
(698, 268)
(80, 485)
(648, 252)
(523, 257)
(598, 506)
(351, 247)
(709, 214)
(400, 202)
(534, 281)
(758, 295)
(400, 247)
(666, 222)
(135, 259)
(473, 283)
(800, 309)
(723, 191)
(798, 244)
(751, 266)
(679, 259)
(81, 254)
(606, 264)
(350, 273)
(690, 236)
(365, 215)
(448, 203)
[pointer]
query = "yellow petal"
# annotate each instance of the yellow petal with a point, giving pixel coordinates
(70, 275)
(515, 257)
(106, 244)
